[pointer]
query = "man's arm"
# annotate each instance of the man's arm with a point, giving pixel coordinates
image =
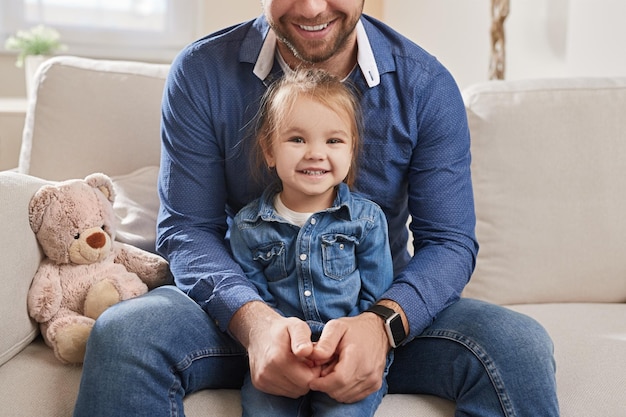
(192, 222)
(441, 206)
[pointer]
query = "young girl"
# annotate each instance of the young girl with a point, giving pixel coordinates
(313, 249)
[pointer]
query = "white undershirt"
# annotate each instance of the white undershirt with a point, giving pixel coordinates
(293, 217)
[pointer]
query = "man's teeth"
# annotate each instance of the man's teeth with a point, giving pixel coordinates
(308, 172)
(314, 28)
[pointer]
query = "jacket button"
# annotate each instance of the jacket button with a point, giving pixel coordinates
(303, 257)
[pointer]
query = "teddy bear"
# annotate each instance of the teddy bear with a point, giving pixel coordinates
(84, 270)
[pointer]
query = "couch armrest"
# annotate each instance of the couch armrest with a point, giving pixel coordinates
(19, 257)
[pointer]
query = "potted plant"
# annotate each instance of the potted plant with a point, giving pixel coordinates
(34, 46)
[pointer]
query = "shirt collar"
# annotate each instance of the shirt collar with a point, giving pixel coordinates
(365, 57)
(342, 206)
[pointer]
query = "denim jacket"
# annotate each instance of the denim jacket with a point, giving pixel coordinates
(337, 264)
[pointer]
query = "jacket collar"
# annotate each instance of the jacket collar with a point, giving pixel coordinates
(342, 206)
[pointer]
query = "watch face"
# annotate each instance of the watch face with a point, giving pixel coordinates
(397, 329)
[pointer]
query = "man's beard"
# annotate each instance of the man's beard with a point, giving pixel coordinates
(321, 55)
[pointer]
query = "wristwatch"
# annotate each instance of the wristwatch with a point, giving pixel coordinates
(393, 323)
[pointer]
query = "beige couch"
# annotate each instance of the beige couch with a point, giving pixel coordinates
(549, 167)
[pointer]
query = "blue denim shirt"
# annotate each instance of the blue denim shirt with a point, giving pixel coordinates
(337, 264)
(415, 162)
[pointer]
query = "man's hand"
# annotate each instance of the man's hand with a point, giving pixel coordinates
(352, 352)
(278, 350)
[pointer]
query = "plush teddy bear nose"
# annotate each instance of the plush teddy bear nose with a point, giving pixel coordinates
(96, 240)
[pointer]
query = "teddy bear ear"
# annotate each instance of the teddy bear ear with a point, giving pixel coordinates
(38, 204)
(103, 183)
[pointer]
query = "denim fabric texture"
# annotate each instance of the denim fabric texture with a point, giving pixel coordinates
(490, 360)
(415, 161)
(338, 264)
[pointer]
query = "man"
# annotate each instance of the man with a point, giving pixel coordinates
(146, 354)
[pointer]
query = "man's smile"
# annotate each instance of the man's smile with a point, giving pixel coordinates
(314, 28)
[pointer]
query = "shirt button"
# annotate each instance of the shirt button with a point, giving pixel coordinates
(303, 257)
(313, 220)
(307, 293)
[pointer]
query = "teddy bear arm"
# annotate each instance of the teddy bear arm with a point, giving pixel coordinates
(45, 294)
(150, 268)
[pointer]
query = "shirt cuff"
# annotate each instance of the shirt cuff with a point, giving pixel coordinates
(413, 305)
(223, 305)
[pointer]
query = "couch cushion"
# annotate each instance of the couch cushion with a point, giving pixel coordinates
(590, 352)
(136, 207)
(35, 383)
(226, 403)
(549, 173)
(19, 257)
(93, 116)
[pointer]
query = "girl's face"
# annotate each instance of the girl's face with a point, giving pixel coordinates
(312, 153)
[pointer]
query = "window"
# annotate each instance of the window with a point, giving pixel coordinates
(137, 29)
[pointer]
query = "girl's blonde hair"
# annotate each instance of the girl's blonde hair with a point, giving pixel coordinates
(318, 85)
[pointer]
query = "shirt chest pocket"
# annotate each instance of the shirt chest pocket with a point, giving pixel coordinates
(271, 256)
(338, 255)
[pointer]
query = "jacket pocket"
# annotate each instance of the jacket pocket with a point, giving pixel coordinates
(338, 255)
(271, 257)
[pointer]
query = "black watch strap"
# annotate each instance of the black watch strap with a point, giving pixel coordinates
(393, 323)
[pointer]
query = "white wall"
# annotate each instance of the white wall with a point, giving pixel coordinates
(596, 37)
(229, 13)
(235, 11)
(545, 38)
(455, 31)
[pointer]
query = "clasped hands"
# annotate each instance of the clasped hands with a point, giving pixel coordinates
(347, 362)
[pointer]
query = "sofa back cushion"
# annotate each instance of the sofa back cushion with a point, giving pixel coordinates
(549, 172)
(93, 116)
(136, 207)
(19, 257)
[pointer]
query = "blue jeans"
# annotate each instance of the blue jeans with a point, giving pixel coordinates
(145, 354)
